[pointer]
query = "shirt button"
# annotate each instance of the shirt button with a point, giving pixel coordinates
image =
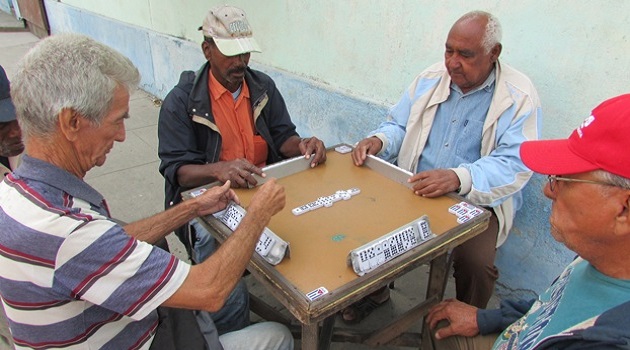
(446, 144)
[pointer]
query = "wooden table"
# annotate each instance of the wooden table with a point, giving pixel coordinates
(320, 241)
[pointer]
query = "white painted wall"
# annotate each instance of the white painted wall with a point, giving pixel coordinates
(574, 51)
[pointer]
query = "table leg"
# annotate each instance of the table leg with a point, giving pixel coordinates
(325, 337)
(310, 336)
(436, 285)
(438, 276)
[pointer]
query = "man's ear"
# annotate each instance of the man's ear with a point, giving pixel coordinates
(623, 217)
(70, 123)
(205, 47)
(495, 52)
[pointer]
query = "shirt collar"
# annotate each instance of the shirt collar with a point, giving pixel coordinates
(488, 84)
(217, 90)
(39, 170)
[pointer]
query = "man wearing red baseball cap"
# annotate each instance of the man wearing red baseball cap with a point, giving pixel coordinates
(587, 305)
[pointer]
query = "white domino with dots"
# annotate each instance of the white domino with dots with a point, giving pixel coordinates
(326, 202)
(464, 212)
(353, 191)
(376, 253)
(264, 243)
(270, 247)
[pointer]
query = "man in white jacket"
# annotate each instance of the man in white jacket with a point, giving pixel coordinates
(458, 128)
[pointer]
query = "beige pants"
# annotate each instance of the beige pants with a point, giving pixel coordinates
(480, 342)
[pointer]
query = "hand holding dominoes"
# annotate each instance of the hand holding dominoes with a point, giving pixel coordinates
(313, 149)
(213, 199)
(240, 172)
(434, 183)
(269, 199)
(269, 246)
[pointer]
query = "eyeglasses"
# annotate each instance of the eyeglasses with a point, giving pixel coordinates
(554, 178)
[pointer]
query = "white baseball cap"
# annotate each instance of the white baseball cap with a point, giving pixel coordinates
(230, 30)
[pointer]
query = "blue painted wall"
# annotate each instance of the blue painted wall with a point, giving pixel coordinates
(528, 261)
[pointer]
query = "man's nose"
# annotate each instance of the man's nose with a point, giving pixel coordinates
(122, 134)
(453, 61)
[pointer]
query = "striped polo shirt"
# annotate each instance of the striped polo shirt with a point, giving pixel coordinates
(69, 276)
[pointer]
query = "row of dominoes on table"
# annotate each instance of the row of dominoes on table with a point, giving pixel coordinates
(326, 201)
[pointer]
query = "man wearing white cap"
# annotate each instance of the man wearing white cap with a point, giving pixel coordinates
(225, 122)
(587, 306)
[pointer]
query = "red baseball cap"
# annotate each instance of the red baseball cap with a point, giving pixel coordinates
(602, 141)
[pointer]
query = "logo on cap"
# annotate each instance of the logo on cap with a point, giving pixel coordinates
(239, 28)
(584, 124)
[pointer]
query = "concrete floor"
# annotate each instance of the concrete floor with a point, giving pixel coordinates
(134, 188)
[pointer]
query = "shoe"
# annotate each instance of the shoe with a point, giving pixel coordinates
(356, 312)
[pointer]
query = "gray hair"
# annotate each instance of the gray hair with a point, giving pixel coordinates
(613, 179)
(68, 71)
(493, 33)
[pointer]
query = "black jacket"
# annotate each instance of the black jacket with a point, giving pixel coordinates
(187, 132)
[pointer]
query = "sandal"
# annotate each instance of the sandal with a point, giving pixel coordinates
(356, 312)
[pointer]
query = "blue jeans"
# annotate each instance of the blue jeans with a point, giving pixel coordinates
(204, 244)
(234, 315)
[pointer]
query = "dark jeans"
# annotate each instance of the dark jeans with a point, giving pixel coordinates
(178, 329)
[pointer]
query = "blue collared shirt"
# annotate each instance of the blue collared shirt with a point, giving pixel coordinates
(455, 136)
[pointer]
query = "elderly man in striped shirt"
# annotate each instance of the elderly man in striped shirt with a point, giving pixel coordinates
(70, 276)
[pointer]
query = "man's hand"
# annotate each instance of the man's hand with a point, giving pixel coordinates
(434, 183)
(462, 319)
(269, 198)
(215, 199)
(368, 146)
(313, 148)
(238, 172)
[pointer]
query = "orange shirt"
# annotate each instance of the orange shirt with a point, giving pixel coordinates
(236, 125)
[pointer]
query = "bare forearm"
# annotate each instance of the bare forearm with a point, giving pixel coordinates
(236, 252)
(154, 228)
(194, 175)
(209, 284)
